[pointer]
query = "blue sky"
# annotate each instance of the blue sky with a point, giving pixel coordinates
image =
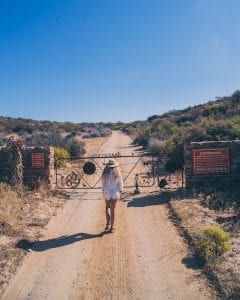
(115, 60)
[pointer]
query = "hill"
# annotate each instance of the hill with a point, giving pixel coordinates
(22, 126)
(166, 134)
(163, 135)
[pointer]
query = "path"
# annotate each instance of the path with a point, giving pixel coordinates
(141, 260)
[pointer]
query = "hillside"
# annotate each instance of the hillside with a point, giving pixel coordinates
(166, 134)
(22, 126)
(163, 134)
(66, 135)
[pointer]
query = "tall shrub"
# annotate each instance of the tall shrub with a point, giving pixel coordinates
(212, 243)
(61, 156)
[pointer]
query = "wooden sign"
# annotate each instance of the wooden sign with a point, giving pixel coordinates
(210, 160)
(38, 160)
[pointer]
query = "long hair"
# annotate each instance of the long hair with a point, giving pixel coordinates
(107, 171)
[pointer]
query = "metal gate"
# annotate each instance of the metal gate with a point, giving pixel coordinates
(85, 172)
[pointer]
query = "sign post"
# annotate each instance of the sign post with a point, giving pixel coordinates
(210, 160)
(38, 160)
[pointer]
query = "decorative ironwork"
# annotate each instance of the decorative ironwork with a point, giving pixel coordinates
(72, 180)
(89, 168)
(138, 171)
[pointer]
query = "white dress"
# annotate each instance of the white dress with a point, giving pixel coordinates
(112, 188)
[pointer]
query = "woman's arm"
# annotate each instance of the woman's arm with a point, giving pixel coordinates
(120, 184)
(103, 183)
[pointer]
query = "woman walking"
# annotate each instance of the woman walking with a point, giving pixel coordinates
(112, 185)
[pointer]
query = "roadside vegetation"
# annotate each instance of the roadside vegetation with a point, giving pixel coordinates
(213, 236)
(69, 142)
(23, 126)
(212, 243)
(166, 134)
(61, 157)
(23, 215)
(67, 135)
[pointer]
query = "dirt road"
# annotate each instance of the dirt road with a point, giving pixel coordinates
(143, 259)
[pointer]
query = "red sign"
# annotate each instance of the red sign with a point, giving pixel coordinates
(211, 160)
(38, 160)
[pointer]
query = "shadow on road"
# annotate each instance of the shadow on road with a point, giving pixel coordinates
(152, 199)
(158, 198)
(57, 242)
(129, 146)
(193, 262)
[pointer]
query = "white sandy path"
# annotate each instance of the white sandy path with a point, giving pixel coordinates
(141, 260)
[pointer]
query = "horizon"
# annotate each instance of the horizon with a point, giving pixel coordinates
(91, 62)
(219, 98)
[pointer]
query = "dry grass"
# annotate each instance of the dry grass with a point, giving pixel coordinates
(18, 206)
(11, 208)
(23, 215)
(192, 217)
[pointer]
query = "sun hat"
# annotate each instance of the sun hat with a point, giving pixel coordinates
(112, 163)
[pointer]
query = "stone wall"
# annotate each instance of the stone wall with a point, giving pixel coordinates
(26, 166)
(11, 167)
(213, 165)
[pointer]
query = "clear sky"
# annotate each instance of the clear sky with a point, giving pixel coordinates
(115, 60)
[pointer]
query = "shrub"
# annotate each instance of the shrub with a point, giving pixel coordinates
(236, 97)
(61, 156)
(176, 159)
(56, 139)
(213, 243)
(75, 147)
(142, 140)
(156, 147)
(50, 138)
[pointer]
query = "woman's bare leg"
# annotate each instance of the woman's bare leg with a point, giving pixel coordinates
(112, 211)
(107, 211)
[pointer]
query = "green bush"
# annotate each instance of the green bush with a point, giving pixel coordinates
(75, 147)
(176, 159)
(61, 156)
(213, 243)
(142, 139)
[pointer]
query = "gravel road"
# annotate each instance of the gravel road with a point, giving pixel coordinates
(143, 259)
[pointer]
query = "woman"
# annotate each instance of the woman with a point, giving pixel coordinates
(112, 185)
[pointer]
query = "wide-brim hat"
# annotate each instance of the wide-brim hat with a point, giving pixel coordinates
(112, 163)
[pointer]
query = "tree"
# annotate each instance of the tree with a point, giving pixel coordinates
(236, 97)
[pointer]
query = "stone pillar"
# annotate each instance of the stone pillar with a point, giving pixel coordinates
(11, 167)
